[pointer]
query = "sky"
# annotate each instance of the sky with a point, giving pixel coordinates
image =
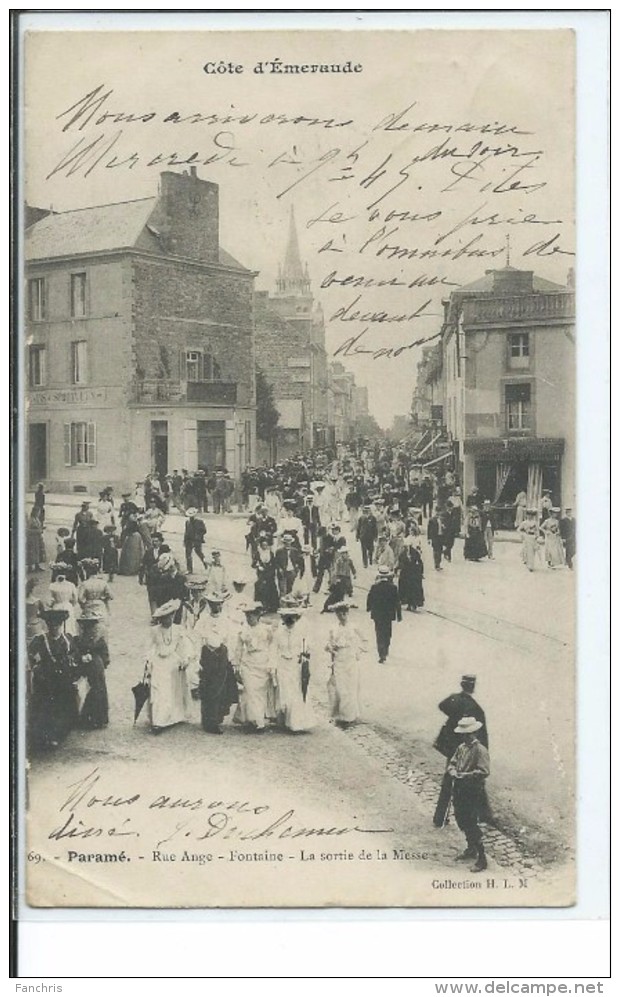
(407, 170)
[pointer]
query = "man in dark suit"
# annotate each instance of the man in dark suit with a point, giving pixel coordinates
(383, 604)
(289, 565)
(193, 539)
(458, 705)
(568, 532)
(436, 533)
(309, 515)
(366, 533)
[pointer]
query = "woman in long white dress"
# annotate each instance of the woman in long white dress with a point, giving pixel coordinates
(290, 654)
(345, 645)
(167, 658)
(530, 533)
(63, 595)
(554, 548)
(253, 662)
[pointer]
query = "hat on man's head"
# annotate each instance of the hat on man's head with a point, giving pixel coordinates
(168, 609)
(253, 607)
(125, 494)
(468, 725)
(343, 604)
(191, 511)
(195, 581)
(62, 531)
(468, 680)
(384, 572)
(109, 529)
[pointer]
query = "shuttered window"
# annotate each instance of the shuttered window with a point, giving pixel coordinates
(196, 365)
(80, 444)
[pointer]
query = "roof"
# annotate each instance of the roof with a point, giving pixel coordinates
(486, 283)
(88, 230)
(104, 228)
(291, 413)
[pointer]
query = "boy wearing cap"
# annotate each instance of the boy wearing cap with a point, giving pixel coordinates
(468, 768)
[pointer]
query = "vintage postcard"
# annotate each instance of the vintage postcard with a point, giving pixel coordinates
(299, 498)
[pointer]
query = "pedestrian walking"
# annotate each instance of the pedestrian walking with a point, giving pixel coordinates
(344, 645)
(253, 662)
(455, 707)
(94, 594)
(530, 535)
(410, 575)
(265, 587)
(109, 552)
(53, 707)
(554, 548)
(193, 539)
(366, 533)
(91, 656)
(217, 686)
(488, 527)
(167, 659)
(383, 605)
(436, 535)
(468, 768)
(63, 594)
(568, 533)
(474, 548)
(291, 653)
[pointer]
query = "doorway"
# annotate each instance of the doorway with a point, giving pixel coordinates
(159, 447)
(211, 444)
(37, 452)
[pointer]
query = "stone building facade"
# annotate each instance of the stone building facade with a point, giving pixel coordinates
(508, 344)
(290, 351)
(140, 341)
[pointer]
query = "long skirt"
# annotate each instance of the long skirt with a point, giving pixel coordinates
(410, 587)
(293, 713)
(169, 694)
(53, 708)
(554, 550)
(343, 690)
(131, 555)
(94, 711)
(474, 547)
(529, 551)
(217, 687)
(257, 698)
(266, 591)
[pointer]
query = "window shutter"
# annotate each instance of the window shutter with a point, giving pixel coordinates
(91, 443)
(207, 367)
(183, 365)
(67, 443)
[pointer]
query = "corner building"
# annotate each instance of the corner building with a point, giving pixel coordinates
(508, 377)
(140, 341)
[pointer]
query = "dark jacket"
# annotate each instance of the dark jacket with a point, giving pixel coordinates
(366, 531)
(383, 602)
(436, 530)
(295, 560)
(195, 532)
(457, 706)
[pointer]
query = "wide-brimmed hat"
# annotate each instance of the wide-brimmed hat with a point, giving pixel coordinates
(89, 562)
(109, 529)
(531, 512)
(63, 531)
(253, 607)
(239, 579)
(555, 508)
(191, 511)
(168, 609)
(292, 611)
(343, 604)
(53, 615)
(384, 571)
(89, 616)
(467, 725)
(215, 599)
(165, 562)
(195, 581)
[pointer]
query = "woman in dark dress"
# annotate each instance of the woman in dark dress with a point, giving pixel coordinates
(217, 684)
(410, 575)
(67, 563)
(109, 561)
(91, 656)
(265, 588)
(53, 702)
(474, 547)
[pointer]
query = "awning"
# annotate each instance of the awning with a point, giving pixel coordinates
(436, 460)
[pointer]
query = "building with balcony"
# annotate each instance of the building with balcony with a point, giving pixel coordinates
(508, 358)
(290, 351)
(342, 398)
(139, 331)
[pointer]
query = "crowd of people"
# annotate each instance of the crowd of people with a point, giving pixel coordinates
(238, 642)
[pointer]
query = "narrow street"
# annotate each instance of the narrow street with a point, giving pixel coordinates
(492, 618)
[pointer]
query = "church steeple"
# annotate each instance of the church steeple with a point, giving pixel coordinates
(293, 278)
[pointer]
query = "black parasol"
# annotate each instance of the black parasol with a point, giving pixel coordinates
(140, 695)
(305, 671)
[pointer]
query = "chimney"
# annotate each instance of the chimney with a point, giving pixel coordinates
(188, 211)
